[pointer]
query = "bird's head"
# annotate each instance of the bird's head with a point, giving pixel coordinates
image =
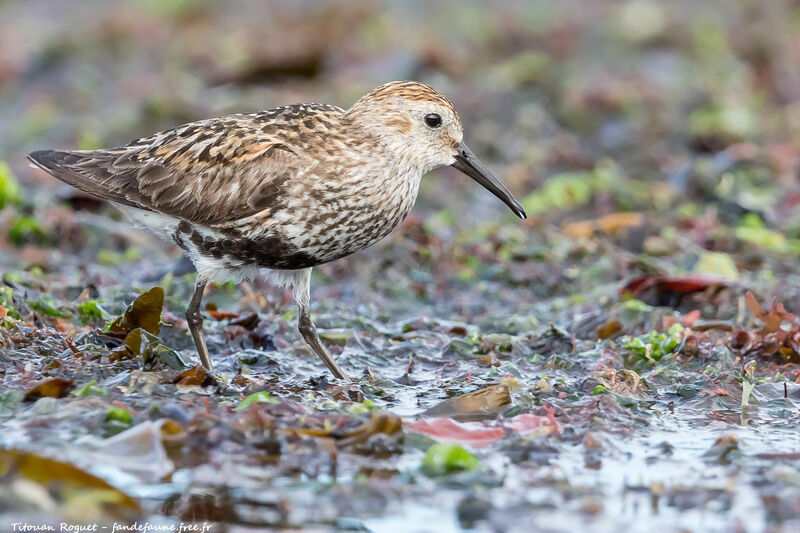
(420, 127)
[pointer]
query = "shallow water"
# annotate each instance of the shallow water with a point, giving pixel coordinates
(647, 141)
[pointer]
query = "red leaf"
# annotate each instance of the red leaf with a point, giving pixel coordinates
(772, 320)
(222, 315)
(690, 318)
(211, 307)
(525, 423)
(662, 284)
(475, 434)
(480, 434)
(753, 305)
(717, 391)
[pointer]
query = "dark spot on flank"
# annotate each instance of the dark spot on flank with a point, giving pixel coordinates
(178, 238)
(265, 252)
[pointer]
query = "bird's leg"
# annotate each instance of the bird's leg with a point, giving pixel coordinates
(301, 286)
(309, 332)
(195, 321)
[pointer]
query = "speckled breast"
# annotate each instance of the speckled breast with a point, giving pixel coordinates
(304, 237)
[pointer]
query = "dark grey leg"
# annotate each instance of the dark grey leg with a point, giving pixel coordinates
(309, 332)
(195, 320)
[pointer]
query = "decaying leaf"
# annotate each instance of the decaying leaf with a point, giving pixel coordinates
(484, 433)
(211, 308)
(772, 319)
(662, 285)
(48, 471)
(609, 329)
(140, 342)
(607, 224)
(52, 388)
(716, 391)
(197, 376)
(144, 312)
(625, 382)
(379, 422)
(474, 434)
(772, 340)
(484, 403)
(529, 424)
(385, 423)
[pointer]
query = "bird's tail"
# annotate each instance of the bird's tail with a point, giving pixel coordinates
(84, 170)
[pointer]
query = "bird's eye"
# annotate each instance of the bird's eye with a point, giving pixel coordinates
(433, 120)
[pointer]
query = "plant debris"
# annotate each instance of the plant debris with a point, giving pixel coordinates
(628, 357)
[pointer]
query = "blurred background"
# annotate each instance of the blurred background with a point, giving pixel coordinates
(656, 148)
(584, 108)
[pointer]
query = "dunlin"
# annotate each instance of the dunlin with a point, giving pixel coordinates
(280, 191)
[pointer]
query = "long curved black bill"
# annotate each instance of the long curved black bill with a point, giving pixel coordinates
(470, 165)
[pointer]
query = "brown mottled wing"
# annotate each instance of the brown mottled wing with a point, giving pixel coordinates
(210, 172)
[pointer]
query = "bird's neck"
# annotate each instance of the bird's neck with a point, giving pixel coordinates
(392, 170)
(383, 142)
(392, 186)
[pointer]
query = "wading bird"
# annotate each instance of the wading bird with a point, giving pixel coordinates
(280, 191)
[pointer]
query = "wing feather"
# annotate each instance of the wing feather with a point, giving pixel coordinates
(210, 172)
